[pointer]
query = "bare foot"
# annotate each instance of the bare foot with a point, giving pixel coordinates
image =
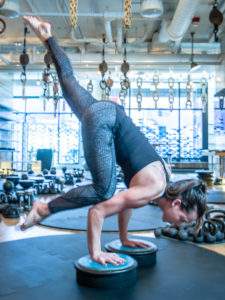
(38, 212)
(40, 27)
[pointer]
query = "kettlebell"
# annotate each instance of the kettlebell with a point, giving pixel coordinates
(8, 186)
(182, 235)
(158, 232)
(45, 171)
(210, 229)
(198, 237)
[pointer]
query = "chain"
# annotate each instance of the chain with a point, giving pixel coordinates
(122, 96)
(188, 92)
(171, 92)
(90, 86)
(139, 95)
(109, 84)
(204, 96)
(221, 102)
(55, 95)
(103, 68)
(127, 17)
(124, 82)
(24, 61)
(102, 85)
(73, 13)
(155, 94)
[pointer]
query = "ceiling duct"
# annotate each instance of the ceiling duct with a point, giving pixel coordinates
(151, 8)
(10, 8)
(182, 19)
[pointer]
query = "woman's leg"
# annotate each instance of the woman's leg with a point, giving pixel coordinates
(97, 129)
(76, 96)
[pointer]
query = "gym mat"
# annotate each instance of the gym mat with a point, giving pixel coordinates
(144, 218)
(217, 197)
(42, 268)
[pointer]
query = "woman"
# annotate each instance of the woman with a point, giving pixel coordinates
(110, 137)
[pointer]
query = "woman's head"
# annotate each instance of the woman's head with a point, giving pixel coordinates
(185, 201)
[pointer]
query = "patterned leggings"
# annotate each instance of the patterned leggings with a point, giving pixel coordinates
(98, 120)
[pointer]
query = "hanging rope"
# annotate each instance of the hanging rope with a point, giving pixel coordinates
(73, 13)
(24, 61)
(90, 86)
(55, 94)
(171, 92)
(125, 82)
(139, 95)
(47, 78)
(127, 17)
(103, 68)
(204, 96)
(188, 92)
(155, 94)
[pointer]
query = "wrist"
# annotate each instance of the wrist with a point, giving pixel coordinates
(45, 37)
(123, 237)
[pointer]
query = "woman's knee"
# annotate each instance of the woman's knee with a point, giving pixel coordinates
(105, 192)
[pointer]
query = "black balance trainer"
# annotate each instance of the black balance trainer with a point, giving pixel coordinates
(144, 256)
(93, 274)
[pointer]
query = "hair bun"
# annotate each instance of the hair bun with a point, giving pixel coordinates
(202, 186)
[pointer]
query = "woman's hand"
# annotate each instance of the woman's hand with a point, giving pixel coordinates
(134, 243)
(103, 258)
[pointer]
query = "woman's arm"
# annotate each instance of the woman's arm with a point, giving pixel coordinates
(132, 198)
(123, 220)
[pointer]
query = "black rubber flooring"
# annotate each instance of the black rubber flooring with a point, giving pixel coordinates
(42, 269)
(217, 197)
(144, 218)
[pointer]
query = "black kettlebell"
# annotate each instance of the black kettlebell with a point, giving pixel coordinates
(165, 231)
(158, 232)
(24, 177)
(182, 235)
(11, 212)
(172, 232)
(210, 229)
(8, 186)
(45, 171)
(221, 227)
(53, 171)
(213, 211)
(30, 172)
(64, 169)
(198, 237)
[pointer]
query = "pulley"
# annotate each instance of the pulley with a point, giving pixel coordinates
(103, 67)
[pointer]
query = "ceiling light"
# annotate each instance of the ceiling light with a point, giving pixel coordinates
(151, 8)
(194, 66)
(10, 9)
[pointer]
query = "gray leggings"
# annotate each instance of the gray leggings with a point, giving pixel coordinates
(97, 120)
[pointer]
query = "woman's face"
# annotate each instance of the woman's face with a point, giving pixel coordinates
(173, 213)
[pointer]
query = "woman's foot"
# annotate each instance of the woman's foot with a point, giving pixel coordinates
(38, 212)
(42, 28)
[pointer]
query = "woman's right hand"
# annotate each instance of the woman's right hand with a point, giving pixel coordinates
(103, 258)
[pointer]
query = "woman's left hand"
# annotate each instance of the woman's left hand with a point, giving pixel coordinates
(135, 243)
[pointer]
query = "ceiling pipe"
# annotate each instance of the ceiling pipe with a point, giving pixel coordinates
(133, 59)
(108, 31)
(181, 21)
